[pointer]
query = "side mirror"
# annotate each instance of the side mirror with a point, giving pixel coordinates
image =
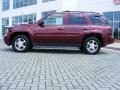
(41, 24)
(30, 22)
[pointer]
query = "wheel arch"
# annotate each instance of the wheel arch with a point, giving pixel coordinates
(97, 35)
(20, 33)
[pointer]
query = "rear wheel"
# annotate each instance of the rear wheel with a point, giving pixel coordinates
(91, 45)
(21, 43)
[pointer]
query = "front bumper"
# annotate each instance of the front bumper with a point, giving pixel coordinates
(7, 39)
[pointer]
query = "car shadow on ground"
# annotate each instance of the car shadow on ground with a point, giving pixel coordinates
(58, 51)
(52, 51)
(62, 51)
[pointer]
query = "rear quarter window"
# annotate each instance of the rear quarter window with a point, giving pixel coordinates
(98, 20)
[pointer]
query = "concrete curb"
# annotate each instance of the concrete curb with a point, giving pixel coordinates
(115, 46)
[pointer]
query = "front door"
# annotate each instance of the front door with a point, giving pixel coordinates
(53, 30)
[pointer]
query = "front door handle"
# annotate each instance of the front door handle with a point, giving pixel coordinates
(60, 29)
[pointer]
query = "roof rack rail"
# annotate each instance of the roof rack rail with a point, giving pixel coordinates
(82, 11)
(66, 11)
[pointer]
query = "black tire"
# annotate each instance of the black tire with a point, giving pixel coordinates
(81, 48)
(91, 49)
(31, 47)
(25, 42)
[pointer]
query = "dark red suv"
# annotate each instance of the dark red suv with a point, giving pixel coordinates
(88, 30)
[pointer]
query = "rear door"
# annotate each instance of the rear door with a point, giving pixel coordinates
(76, 25)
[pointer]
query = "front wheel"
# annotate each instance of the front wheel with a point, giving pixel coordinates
(21, 43)
(91, 45)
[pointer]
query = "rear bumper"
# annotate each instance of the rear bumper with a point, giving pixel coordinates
(108, 39)
(7, 39)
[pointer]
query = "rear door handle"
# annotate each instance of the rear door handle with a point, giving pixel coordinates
(85, 29)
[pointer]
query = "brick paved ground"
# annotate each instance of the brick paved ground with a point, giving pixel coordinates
(58, 70)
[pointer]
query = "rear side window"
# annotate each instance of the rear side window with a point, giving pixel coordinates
(98, 20)
(76, 19)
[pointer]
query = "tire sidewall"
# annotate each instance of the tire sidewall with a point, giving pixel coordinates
(27, 43)
(85, 47)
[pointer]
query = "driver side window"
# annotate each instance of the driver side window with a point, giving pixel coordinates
(56, 19)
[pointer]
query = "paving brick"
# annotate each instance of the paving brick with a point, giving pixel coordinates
(4, 88)
(70, 86)
(13, 86)
(42, 86)
(103, 89)
(21, 84)
(29, 81)
(34, 88)
(24, 88)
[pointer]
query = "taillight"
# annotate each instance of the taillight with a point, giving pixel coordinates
(108, 30)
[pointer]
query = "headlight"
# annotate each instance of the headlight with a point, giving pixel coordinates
(7, 30)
